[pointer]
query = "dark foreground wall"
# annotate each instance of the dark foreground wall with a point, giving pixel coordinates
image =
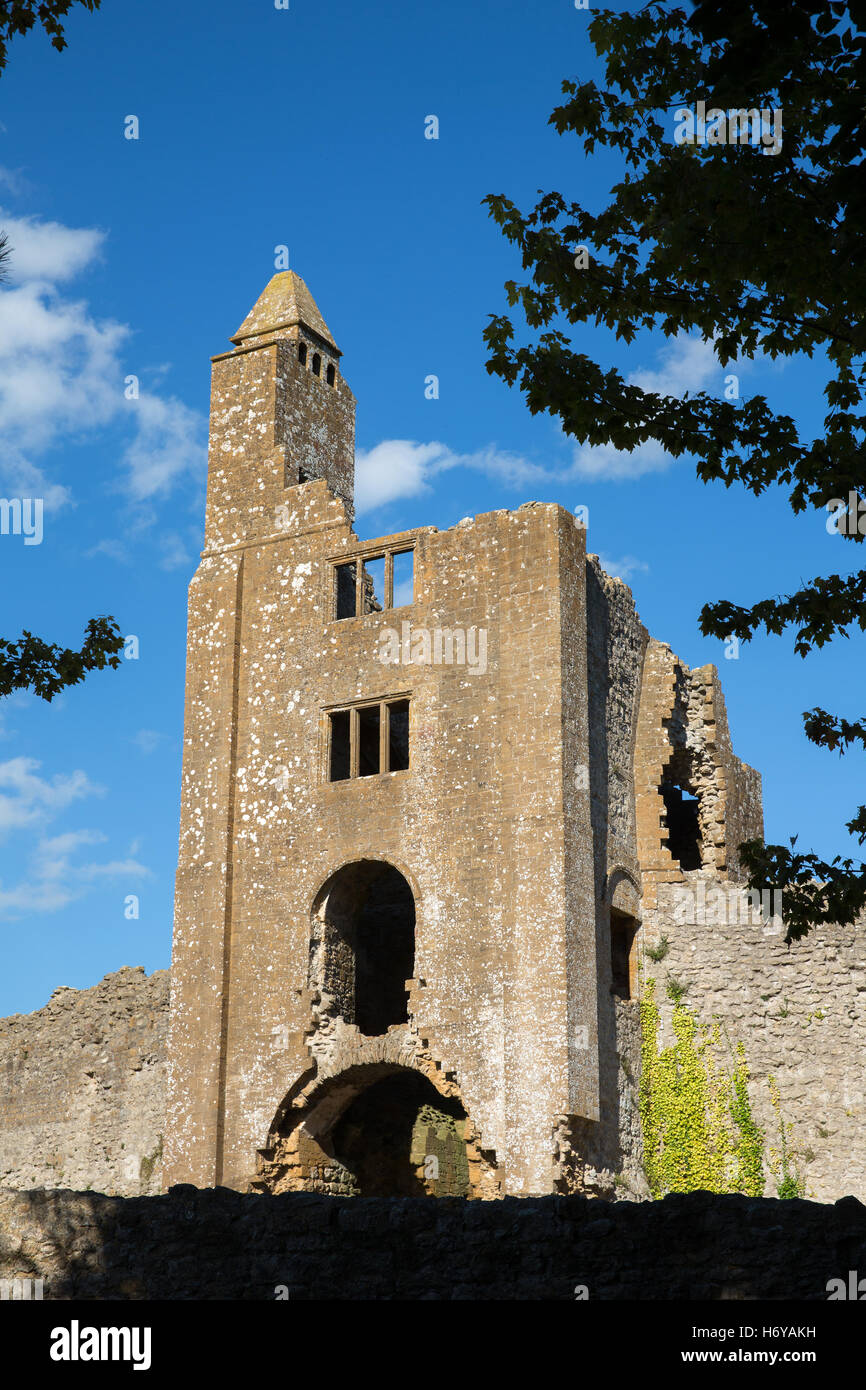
(220, 1244)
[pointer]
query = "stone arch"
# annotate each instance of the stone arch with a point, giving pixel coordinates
(376, 1128)
(362, 946)
(623, 891)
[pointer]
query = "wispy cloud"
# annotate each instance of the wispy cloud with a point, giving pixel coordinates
(54, 880)
(683, 365)
(148, 740)
(623, 568)
(27, 800)
(598, 462)
(14, 180)
(401, 468)
(54, 876)
(62, 374)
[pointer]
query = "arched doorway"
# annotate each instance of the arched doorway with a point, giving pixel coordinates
(376, 1130)
(401, 1138)
(362, 945)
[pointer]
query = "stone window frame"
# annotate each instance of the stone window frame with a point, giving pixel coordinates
(373, 550)
(353, 708)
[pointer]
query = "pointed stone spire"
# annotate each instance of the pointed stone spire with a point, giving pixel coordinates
(285, 302)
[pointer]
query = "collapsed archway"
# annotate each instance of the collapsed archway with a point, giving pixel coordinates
(401, 1138)
(376, 1130)
(362, 945)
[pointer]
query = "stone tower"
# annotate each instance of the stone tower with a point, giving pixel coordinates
(409, 893)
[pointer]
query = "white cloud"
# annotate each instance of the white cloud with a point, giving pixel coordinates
(601, 461)
(399, 468)
(48, 250)
(166, 448)
(393, 469)
(623, 568)
(685, 364)
(114, 549)
(61, 374)
(148, 740)
(52, 880)
(13, 180)
(27, 799)
(59, 370)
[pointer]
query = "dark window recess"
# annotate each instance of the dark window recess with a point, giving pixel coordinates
(684, 835)
(304, 476)
(340, 750)
(374, 584)
(365, 921)
(317, 364)
(385, 955)
(331, 374)
(404, 578)
(623, 931)
(302, 354)
(368, 741)
(347, 590)
(398, 736)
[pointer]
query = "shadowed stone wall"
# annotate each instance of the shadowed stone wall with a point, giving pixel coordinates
(219, 1244)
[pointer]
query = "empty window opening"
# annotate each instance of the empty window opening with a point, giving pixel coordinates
(398, 736)
(347, 584)
(374, 584)
(302, 354)
(362, 946)
(339, 752)
(317, 364)
(331, 374)
(369, 739)
(384, 581)
(404, 578)
(683, 826)
(304, 476)
(623, 933)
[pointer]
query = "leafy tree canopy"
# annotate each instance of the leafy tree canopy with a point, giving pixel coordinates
(46, 669)
(758, 252)
(19, 17)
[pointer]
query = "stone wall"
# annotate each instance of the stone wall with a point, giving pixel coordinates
(489, 825)
(82, 1087)
(799, 1010)
(603, 1157)
(219, 1244)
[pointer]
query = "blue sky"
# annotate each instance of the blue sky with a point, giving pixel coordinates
(305, 127)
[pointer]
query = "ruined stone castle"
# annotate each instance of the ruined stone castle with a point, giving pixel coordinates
(446, 809)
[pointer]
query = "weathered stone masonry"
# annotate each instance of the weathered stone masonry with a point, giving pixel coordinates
(415, 896)
(82, 1088)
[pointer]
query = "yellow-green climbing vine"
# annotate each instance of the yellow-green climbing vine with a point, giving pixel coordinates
(698, 1127)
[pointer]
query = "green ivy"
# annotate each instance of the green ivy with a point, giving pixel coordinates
(698, 1129)
(789, 1180)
